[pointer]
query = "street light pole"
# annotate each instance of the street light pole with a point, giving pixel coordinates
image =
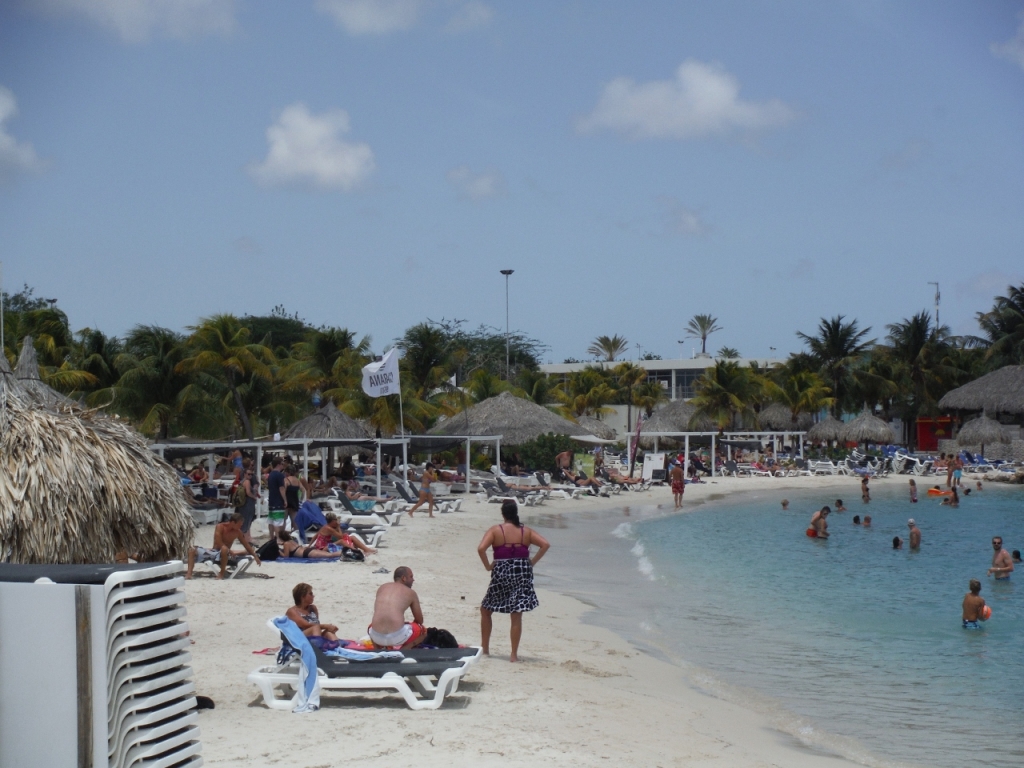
(506, 273)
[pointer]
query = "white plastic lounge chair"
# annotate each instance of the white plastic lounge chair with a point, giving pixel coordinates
(237, 565)
(418, 679)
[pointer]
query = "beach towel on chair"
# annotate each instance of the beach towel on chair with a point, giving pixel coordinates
(308, 698)
(309, 514)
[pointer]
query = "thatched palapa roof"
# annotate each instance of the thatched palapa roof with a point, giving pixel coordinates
(826, 430)
(981, 431)
(81, 488)
(327, 423)
(27, 373)
(675, 416)
(596, 427)
(516, 419)
(1001, 391)
(867, 428)
(777, 416)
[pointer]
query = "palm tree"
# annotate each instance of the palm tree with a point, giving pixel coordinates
(427, 357)
(327, 361)
(220, 346)
(700, 327)
(728, 353)
(724, 393)
(536, 385)
(800, 392)
(607, 348)
(1003, 326)
(647, 395)
(628, 376)
(836, 350)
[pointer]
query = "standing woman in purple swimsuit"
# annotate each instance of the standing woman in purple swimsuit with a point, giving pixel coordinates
(511, 588)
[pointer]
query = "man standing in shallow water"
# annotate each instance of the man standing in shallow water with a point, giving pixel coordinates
(1002, 565)
(915, 534)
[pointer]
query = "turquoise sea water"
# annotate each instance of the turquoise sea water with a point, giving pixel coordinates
(851, 646)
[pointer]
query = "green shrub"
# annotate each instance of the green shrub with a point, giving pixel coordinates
(540, 453)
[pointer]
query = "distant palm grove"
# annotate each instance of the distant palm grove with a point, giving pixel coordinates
(254, 375)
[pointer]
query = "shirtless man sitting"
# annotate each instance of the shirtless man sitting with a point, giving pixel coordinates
(1002, 563)
(973, 604)
(389, 629)
(224, 535)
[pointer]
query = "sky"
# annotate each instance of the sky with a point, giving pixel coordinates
(375, 163)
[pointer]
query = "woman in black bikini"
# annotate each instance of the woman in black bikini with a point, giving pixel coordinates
(291, 548)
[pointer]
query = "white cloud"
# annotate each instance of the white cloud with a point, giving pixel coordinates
(308, 148)
(683, 220)
(469, 16)
(371, 17)
(14, 155)
(476, 186)
(703, 100)
(1013, 49)
(136, 20)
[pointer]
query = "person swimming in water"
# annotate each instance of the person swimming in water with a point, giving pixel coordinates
(839, 506)
(785, 505)
(897, 542)
(972, 606)
(913, 491)
(953, 500)
(867, 521)
(915, 534)
(865, 492)
(818, 528)
(1002, 563)
(856, 519)
(1016, 556)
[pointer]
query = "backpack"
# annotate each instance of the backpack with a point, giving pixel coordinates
(347, 553)
(269, 551)
(239, 497)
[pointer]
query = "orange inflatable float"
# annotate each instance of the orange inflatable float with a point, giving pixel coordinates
(939, 492)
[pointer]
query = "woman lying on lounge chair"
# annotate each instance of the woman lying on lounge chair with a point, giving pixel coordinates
(291, 548)
(306, 616)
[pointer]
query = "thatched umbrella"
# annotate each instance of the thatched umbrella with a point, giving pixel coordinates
(516, 419)
(596, 427)
(675, 416)
(867, 428)
(778, 417)
(1001, 391)
(826, 430)
(327, 423)
(27, 372)
(980, 431)
(81, 488)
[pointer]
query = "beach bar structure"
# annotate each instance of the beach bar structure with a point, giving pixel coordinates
(728, 439)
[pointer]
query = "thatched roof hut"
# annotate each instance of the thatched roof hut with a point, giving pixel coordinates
(327, 423)
(778, 417)
(867, 428)
(675, 416)
(981, 431)
(596, 427)
(1001, 391)
(516, 419)
(826, 430)
(82, 488)
(27, 373)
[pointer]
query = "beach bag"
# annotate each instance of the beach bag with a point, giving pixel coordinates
(347, 553)
(269, 551)
(238, 498)
(440, 638)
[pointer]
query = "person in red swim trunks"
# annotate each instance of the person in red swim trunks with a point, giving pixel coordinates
(818, 528)
(677, 485)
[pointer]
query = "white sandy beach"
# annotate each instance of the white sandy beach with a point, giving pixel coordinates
(581, 696)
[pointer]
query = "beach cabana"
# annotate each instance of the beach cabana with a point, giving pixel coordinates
(596, 427)
(777, 416)
(1001, 391)
(826, 430)
(27, 374)
(676, 416)
(328, 423)
(867, 428)
(980, 431)
(516, 419)
(82, 488)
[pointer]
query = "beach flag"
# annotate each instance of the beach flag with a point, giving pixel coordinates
(381, 378)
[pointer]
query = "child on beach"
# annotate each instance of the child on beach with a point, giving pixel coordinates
(913, 491)
(677, 485)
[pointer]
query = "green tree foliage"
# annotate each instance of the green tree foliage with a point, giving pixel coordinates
(1003, 328)
(728, 353)
(585, 392)
(540, 454)
(837, 349)
(726, 393)
(801, 391)
(700, 327)
(607, 348)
